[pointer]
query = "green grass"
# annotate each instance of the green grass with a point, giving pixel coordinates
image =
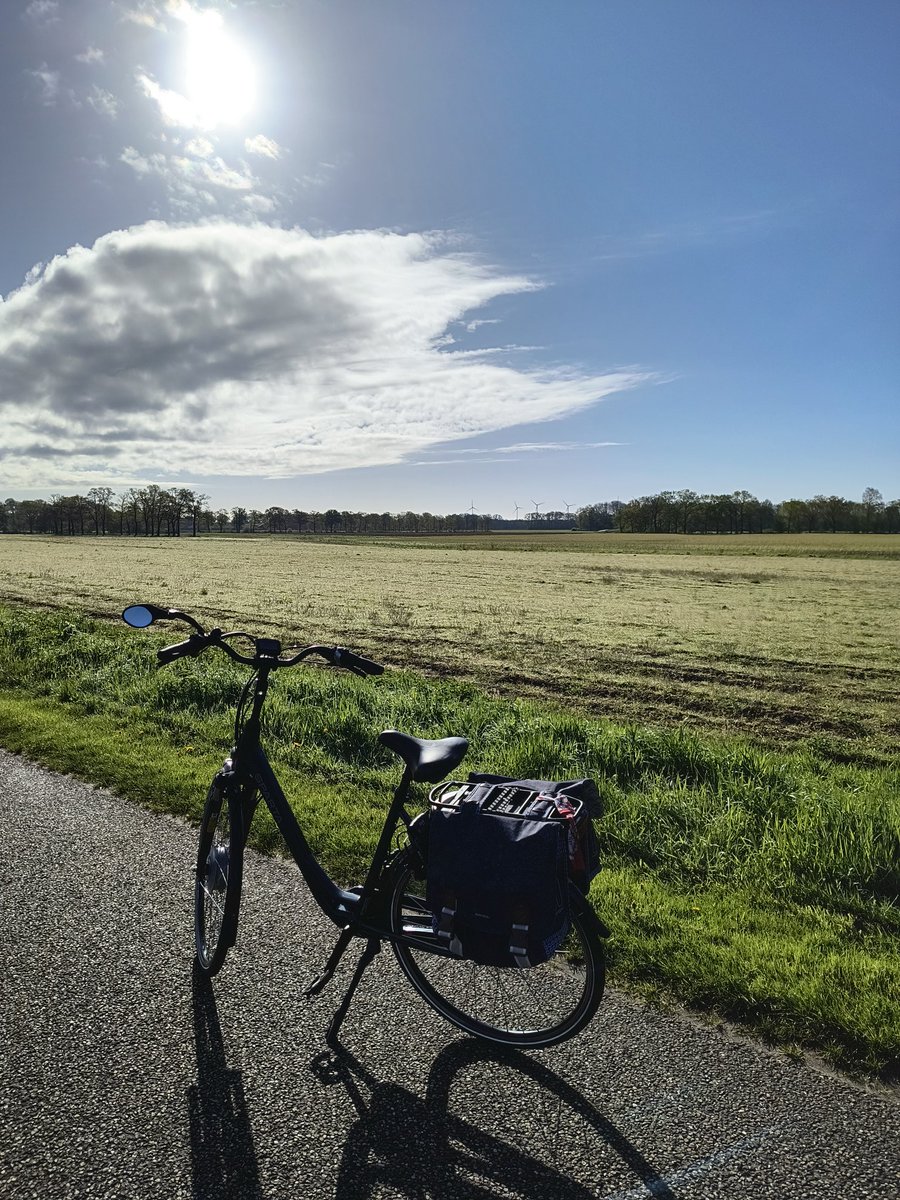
(789, 640)
(756, 882)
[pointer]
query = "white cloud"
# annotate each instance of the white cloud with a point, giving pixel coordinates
(259, 204)
(200, 147)
(213, 173)
(176, 110)
(90, 56)
(43, 12)
(536, 447)
(265, 146)
(47, 83)
(102, 101)
(141, 164)
(249, 350)
(144, 13)
(188, 182)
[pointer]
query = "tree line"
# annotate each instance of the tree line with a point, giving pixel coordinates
(154, 511)
(740, 512)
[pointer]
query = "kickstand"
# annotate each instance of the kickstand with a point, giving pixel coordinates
(331, 966)
(373, 946)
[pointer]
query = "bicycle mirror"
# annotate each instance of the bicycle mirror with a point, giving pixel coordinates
(139, 616)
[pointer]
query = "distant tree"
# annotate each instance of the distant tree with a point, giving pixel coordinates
(276, 519)
(195, 508)
(834, 511)
(101, 501)
(238, 519)
(872, 507)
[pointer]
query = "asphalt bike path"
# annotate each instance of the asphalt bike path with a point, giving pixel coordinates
(122, 1077)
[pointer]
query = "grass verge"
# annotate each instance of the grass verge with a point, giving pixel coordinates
(762, 885)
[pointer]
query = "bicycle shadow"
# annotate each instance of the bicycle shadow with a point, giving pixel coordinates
(223, 1154)
(408, 1146)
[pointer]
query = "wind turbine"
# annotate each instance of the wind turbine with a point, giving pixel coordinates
(516, 507)
(537, 504)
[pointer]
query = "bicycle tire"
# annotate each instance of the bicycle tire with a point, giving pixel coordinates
(219, 875)
(536, 1007)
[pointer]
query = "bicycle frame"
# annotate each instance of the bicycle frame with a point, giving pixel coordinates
(349, 910)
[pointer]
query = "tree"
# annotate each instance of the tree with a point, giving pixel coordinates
(238, 518)
(195, 508)
(276, 518)
(101, 499)
(834, 510)
(873, 506)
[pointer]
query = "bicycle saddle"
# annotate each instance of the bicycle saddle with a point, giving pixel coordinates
(430, 762)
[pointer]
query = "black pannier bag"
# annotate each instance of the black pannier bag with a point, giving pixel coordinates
(584, 798)
(499, 858)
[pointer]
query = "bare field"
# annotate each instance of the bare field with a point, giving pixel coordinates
(777, 637)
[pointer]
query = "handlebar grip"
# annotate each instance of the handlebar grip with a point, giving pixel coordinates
(190, 648)
(355, 662)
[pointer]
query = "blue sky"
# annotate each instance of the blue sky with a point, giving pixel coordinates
(422, 255)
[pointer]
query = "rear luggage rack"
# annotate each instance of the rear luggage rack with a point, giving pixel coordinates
(506, 800)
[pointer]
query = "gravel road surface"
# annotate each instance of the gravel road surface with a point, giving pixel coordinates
(120, 1078)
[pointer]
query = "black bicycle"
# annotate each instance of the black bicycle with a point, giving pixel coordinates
(534, 1007)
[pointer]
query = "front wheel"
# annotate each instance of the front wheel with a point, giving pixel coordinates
(535, 1007)
(217, 889)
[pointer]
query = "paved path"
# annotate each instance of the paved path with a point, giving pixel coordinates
(117, 1079)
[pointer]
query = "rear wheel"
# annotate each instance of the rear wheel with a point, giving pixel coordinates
(537, 1006)
(217, 889)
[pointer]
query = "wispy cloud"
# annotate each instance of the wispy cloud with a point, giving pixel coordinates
(684, 235)
(43, 12)
(489, 454)
(252, 350)
(537, 447)
(143, 12)
(200, 147)
(202, 184)
(264, 146)
(176, 110)
(47, 84)
(102, 101)
(90, 56)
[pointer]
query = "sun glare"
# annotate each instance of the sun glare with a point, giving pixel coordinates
(221, 76)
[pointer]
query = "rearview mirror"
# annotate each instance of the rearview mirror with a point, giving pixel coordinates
(139, 616)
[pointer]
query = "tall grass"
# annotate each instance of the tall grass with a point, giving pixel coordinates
(760, 882)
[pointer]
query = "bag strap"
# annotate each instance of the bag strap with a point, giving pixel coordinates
(445, 929)
(518, 939)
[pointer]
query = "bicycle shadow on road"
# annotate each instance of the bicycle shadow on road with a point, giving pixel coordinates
(408, 1146)
(223, 1155)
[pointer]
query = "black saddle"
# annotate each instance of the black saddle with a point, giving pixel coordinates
(430, 762)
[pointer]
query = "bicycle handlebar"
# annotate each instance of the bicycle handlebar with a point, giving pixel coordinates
(267, 651)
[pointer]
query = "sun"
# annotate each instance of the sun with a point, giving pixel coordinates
(220, 76)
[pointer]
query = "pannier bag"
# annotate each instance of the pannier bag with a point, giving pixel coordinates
(498, 866)
(583, 798)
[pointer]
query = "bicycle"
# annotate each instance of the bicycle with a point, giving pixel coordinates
(536, 1008)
